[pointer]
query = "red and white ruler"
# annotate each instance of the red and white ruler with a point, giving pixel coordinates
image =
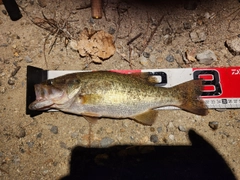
(221, 84)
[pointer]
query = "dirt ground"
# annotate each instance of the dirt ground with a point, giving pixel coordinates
(42, 147)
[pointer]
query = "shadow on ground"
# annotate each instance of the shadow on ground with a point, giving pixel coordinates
(199, 161)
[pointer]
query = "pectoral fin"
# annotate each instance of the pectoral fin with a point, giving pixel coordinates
(146, 118)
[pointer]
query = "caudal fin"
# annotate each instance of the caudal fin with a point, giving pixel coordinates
(189, 97)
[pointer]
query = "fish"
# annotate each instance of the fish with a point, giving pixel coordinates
(116, 95)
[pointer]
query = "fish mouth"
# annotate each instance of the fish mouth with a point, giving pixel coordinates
(46, 97)
(41, 104)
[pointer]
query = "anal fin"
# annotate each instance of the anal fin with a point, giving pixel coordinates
(147, 118)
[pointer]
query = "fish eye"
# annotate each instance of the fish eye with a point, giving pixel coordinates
(49, 82)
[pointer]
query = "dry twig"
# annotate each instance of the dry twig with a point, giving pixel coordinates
(151, 35)
(58, 29)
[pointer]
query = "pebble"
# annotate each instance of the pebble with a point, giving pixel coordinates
(187, 25)
(54, 129)
(16, 159)
(28, 59)
(207, 57)
(42, 3)
(154, 138)
(181, 128)
(30, 144)
(153, 58)
(146, 54)
(74, 135)
(233, 45)
(170, 58)
(4, 12)
(20, 132)
(152, 129)
(170, 126)
(111, 30)
(159, 129)
(213, 125)
(3, 89)
(144, 61)
(198, 35)
(11, 81)
(167, 39)
(106, 141)
(39, 135)
(171, 137)
(63, 145)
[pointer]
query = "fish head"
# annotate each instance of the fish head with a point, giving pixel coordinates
(55, 93)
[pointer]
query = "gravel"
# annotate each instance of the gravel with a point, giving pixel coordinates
(207, 57)
(154, 138)
(181, 128)
(213, 125)
(54, 129)
(170, 58)
(106, 141)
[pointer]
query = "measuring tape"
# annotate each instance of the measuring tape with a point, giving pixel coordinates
(221, 88)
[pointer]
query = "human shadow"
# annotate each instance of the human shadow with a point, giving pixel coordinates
(198, 161)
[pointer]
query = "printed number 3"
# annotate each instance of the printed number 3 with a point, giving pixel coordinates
(214, 82)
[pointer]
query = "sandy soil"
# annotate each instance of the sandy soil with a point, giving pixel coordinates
(42, 147)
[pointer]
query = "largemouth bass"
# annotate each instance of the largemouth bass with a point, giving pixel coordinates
(114, 95)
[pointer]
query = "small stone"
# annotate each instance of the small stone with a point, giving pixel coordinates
(45, 172)
(54, 129)
(16, 160)
(3, 90)
(154, 138)
(152, 129)
(109, 130)
(167, 39)
(170, 127)
(63, 145)
(171, 137)
(74, 135)
(181, 128)
(153, 58)
(233, 45)
(111, 30)
(207, 57)
(20, 132)
(42, 3)
(91, 21)
(146, 54)
(170, 58)
(187, 25)
(106, 141)
(30, 144)
(39, 135)
(159, 129)
(213, 125)
(198, 35)
(28, 59)
(144, 61)
(11, 81)
(4, 12)
(166, 31)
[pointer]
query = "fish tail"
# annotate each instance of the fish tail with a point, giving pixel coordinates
(189, 97)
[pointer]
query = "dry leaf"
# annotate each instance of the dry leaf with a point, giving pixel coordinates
(97, 44)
